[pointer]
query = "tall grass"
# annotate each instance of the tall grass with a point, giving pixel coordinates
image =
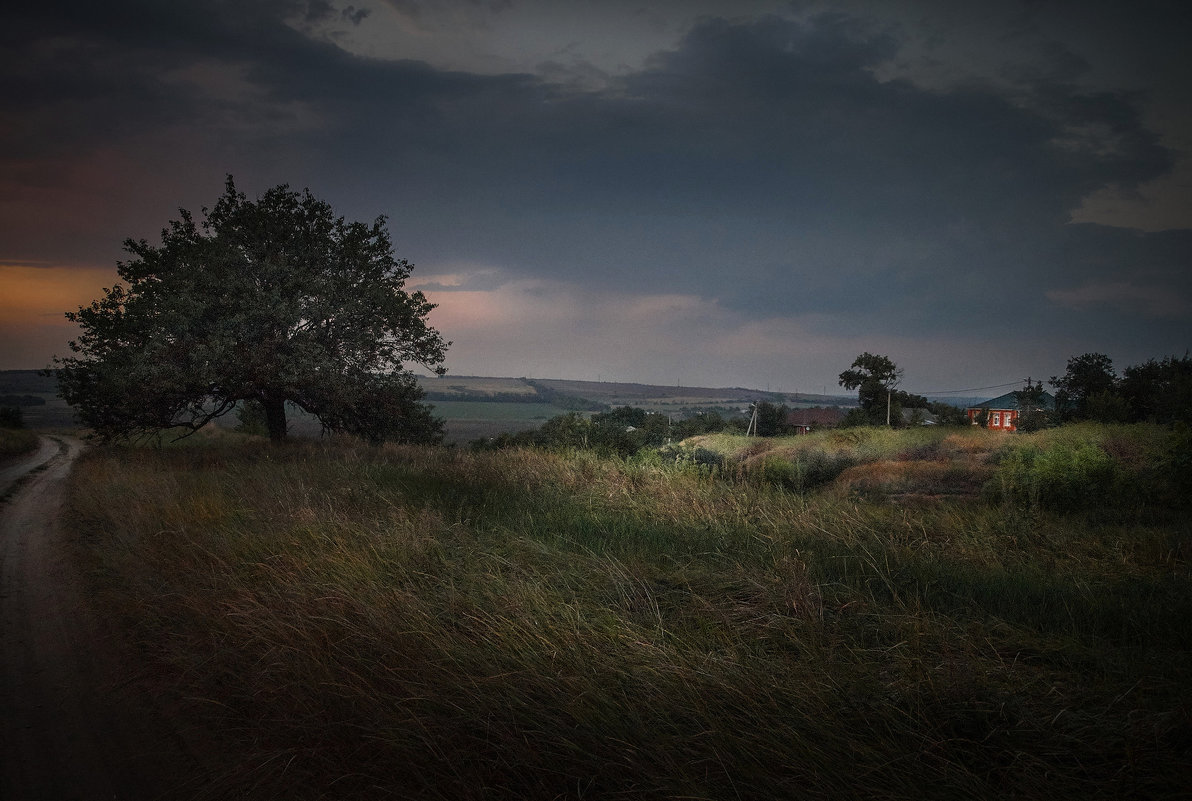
(429, 623)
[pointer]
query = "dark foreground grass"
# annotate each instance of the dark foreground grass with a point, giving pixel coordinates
(421, 623)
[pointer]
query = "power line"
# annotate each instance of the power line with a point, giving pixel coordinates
(971, 389)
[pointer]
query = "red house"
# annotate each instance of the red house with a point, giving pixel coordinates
(1002, 412)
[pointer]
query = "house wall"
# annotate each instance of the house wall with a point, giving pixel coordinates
(999, 419)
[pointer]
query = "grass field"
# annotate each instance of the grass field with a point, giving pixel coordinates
(466, 421)
(357, 622)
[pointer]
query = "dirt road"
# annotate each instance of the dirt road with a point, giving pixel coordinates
(75, 721)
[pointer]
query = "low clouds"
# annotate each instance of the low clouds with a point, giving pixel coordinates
(1149, 301)
(806, 171)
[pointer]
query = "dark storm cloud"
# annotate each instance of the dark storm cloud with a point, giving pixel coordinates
(762, 164)
(766, 166)
(91, 74)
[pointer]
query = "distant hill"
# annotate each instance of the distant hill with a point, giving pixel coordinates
(475, 406)
(611, 394)
(50, 412)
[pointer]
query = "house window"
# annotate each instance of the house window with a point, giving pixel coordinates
(995, 420)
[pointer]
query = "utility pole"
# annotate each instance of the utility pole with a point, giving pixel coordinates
(751, 429)
(889, 393)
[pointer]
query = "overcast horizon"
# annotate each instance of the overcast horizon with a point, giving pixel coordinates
(703, 193)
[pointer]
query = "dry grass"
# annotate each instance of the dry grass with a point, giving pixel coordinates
(429, 623)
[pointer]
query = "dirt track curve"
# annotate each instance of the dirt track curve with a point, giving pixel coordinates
(74, 721)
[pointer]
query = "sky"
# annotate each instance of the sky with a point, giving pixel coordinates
(694, 192)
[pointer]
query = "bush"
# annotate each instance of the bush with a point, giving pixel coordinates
(697, 456)
(805, 471)
(1064, 477)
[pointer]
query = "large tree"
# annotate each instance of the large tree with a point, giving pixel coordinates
(874, 377)
(1159, 390)
(1088, 390)
(275, 301)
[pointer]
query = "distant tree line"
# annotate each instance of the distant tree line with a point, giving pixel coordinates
(1156, 391)
(562, 400)
(22, 400)
(617, 432)
(626, 430)
(542, 394)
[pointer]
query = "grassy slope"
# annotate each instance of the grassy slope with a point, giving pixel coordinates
(439, 624)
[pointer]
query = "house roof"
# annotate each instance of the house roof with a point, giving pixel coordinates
(818, 416)
(1010, 401)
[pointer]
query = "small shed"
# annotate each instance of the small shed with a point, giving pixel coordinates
(1003, 411)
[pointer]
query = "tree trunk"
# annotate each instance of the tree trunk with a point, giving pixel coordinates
(275, 416)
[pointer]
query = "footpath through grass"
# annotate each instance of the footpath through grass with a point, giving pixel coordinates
(431, 623)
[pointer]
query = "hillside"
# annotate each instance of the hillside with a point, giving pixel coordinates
(478, 406)
(610, 393)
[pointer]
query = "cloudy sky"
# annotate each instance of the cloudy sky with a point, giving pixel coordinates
(682, 191)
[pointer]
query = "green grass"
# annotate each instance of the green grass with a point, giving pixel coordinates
(434, 623)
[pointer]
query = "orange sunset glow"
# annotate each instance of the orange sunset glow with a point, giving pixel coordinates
(33, 303)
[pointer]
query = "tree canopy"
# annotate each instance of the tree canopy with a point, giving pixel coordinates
(1158, 390)
(1086, 387)
(275, 301)
(874, 377)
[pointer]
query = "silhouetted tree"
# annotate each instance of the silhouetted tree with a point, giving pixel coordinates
(874, 377)
(1032, 412)
(1088, 376)
(275, 301)
(1159, 390)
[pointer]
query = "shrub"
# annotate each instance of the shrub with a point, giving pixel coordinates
(806, 471)
(1062, 478)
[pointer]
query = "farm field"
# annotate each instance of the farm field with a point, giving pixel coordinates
(934, 613)
(466, 421)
